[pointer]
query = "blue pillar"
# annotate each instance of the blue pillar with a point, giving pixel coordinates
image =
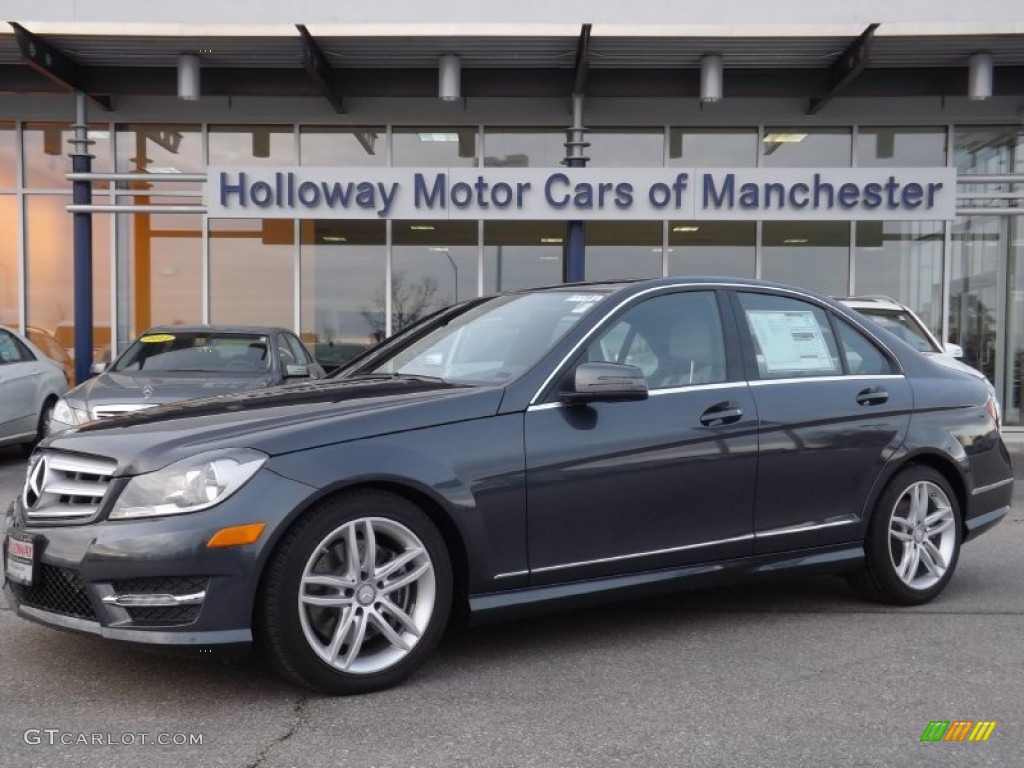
(574, 256)
(81, 194)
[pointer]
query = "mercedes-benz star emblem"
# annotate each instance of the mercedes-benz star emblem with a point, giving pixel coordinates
(34, 484)
(147, 391)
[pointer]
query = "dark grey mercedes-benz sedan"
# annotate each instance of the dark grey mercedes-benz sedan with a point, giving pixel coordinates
(534, 449)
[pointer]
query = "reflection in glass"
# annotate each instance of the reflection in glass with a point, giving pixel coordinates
(433, 265)
(252, 145)
(46, 153)
(337, 145)
(713, 147)
(976, 289)
(712, 248)
(522, 254)
(160, 149)
(9, 303)
(623, 249)
(806, 147)
(901, 147)
(523, 147)
(626, 148)
(342, 276)
(8, 156)
(166, 266)
(434, 146)
(251, 271)
(902, 260)
(1013, 356)
(810, 254)
(50, 279)
(988, 148)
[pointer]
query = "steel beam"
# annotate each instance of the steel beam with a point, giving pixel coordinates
(317, 68)
(53, 64)
(846, 69)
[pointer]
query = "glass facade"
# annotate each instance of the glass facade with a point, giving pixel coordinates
(344, 284)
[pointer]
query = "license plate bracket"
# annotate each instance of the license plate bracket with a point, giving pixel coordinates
(22, 558)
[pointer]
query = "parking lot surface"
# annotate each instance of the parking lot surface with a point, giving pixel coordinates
(792, 674)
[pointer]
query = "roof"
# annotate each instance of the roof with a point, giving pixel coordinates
(247, 329)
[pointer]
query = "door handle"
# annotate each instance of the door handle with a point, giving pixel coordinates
(720, 414)
(872, 396)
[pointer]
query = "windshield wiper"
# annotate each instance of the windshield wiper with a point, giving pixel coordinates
(396, 376)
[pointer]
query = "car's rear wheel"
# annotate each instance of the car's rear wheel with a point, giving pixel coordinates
(913, 540)
(357, 594)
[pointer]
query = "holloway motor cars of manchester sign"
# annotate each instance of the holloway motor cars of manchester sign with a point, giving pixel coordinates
(582, 193)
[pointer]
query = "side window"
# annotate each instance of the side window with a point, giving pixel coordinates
(675, 339)
(791, 338)
(12, 350)
(863, 358)
(299, 351)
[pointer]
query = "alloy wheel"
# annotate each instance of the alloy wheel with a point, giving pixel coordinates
(366, 595)
(922, 535)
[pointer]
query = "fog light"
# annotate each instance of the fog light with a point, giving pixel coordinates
(236, 536)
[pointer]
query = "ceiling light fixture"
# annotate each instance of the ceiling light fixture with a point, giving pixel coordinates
(188, 77)
(784, 138)
(449, 78)
(796, 240)
(686, 228)
(422, 227)
(980, 72)
(552, 240)
(334, 239)
(438, 136)
(711, 78)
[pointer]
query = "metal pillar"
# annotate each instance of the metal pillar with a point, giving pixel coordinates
(574, 252)
(81, 162)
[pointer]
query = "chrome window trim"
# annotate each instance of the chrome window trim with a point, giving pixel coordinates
(991, 486)
(796, 379)
(771, 290)
(654, 393)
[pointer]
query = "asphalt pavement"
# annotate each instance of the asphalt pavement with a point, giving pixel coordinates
(794, 674)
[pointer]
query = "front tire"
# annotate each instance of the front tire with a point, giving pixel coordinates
(913, 540)
(42, 428)
(357, 594)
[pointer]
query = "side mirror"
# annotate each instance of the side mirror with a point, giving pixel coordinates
(97, 368)
(606, 382)
(954, 350)
(296, 371)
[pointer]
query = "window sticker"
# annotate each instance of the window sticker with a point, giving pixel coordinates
(156, 338)
(583, 301)
(790, 341)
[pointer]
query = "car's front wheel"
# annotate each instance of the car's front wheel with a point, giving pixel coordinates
(913, 539)
(357, 594)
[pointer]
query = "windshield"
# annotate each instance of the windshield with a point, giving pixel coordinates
(206, 352)
(494, 341)
(903, 325)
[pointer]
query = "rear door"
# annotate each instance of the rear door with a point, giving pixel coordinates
(833, 407)
(20, 377)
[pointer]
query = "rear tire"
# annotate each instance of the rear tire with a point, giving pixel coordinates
(357, 594)
(913, 540)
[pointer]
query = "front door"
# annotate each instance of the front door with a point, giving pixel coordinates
(669, 480)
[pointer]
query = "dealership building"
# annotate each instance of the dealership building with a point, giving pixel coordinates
(344, 170)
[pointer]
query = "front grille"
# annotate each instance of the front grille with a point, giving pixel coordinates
(164, 585)
(120, 409)
(56, 590)
(164, 616)
(65, 487)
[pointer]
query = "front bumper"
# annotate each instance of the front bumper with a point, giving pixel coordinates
(83, 572)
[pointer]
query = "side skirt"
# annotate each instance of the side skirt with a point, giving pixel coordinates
(527, 601)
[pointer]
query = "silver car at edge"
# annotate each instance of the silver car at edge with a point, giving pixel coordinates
(30, 385)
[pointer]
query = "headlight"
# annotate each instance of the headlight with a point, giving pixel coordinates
(188, 485)
(64, 413)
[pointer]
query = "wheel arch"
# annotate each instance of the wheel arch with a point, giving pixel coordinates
(430, 506)
(944, 464)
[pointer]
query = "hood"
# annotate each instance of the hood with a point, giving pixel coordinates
(277, 420)
(140, 388)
